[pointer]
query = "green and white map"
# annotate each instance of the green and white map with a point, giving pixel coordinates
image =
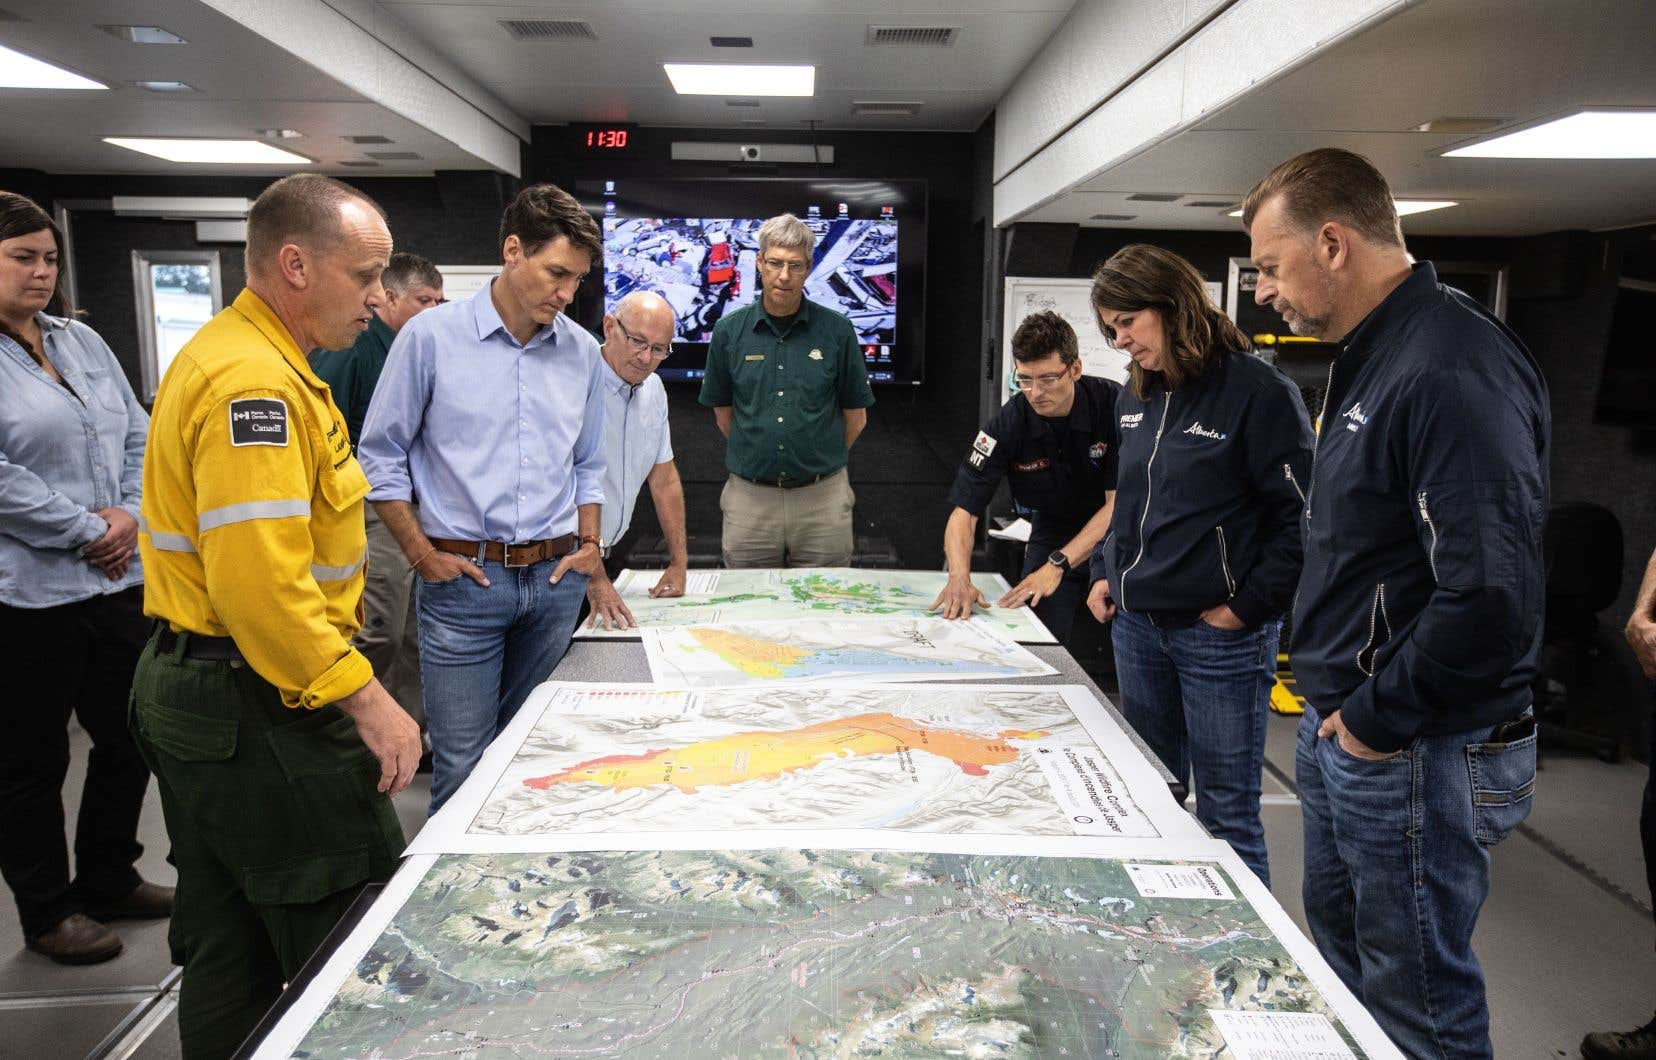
(819, 953)
(719, 596)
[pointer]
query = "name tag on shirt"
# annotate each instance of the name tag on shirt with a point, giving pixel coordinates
(754, 357)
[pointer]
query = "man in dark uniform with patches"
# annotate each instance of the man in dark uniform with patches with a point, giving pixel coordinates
(1055, 440)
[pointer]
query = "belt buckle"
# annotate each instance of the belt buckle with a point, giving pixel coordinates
(506, 555)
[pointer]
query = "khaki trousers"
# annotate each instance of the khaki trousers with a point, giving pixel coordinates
(390, 634)
(767, 526)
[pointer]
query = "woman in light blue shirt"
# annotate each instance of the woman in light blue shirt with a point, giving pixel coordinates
(71, 604)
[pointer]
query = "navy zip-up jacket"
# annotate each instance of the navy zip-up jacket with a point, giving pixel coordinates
(1206, 511)
(1419, 608)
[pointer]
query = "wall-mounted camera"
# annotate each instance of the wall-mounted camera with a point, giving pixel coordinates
(750, 152)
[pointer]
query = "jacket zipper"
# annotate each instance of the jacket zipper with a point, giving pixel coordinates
(1121, 590)
(1377, 617)
(1431, 552)
(1288, 473)
(1328, 392)
(1224, 561)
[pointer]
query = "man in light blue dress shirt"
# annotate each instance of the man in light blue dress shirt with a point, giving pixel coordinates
(638, 447)
(490, 414)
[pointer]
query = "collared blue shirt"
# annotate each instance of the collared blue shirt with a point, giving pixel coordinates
(63, 456)
(636, 439)
(495, 440)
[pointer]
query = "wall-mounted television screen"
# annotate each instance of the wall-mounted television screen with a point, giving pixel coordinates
(670, 237)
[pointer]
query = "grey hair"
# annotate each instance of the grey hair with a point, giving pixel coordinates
(408, 271)
(786, 232)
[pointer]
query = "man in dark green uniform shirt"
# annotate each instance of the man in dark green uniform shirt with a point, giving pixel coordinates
(789, 388)
(388, 636)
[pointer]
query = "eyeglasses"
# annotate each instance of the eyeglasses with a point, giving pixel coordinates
(1038, 382)
(659, 351)
(778, 265)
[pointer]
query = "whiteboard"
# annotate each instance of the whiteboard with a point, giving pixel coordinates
(1070, 299)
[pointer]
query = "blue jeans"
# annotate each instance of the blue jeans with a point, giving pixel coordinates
(1056, 612)
(1397, 867)
(1198, 696)
(482, 650)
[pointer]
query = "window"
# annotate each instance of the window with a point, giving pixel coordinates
(177, 292)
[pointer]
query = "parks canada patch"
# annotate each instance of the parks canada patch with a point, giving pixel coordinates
(258, 421)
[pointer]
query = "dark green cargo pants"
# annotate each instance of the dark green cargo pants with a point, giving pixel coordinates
(275, 828)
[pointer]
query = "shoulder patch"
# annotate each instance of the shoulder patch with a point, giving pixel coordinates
(984, 444)
(258, 421)
(977, 460)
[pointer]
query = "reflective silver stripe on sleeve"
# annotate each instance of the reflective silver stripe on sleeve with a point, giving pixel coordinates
(334, 574)
(165, 542)
(241, 513)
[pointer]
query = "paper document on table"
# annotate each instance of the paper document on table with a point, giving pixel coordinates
(768, 595)
(817, 651)
(960, 945)
(1017, 530)
(625, 764)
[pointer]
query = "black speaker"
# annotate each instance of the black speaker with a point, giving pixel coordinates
(1040, 249)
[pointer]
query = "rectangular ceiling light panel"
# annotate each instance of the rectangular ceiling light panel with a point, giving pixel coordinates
(740, 79)
(1589, 134)
(25, 71)
(210, 152)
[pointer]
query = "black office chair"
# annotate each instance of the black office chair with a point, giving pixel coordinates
(1583, 691)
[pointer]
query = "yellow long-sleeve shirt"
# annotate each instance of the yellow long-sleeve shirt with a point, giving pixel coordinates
(252, 507)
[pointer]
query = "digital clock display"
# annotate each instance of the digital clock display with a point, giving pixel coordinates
(613, 139)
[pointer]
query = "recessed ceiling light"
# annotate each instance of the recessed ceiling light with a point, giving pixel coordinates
(144, 34)
(165, 86)
(1588, 134)
(726, 79)
(240, 152)
(25, 71)
(1405, 207)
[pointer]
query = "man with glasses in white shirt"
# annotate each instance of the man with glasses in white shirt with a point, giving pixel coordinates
(638, 448)
(1055, 441)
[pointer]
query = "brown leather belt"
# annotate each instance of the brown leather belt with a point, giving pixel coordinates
(512, 555)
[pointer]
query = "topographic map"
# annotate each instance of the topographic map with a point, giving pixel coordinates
(823, 650)
(719, 596)
(819, 953)
(586, 761)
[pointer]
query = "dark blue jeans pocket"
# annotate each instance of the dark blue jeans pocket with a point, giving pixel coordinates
(1503, 786)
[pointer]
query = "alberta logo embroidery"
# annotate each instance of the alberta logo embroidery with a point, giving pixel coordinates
(1205, 432)
(1355, 417)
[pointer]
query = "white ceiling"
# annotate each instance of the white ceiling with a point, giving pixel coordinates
(618, 77)
(245, 83)
(1442, 58)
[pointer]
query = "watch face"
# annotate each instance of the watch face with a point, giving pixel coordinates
(1058, 559)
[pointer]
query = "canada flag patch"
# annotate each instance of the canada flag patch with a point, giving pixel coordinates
(984, 444)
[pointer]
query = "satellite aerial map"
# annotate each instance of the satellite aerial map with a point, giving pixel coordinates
(820, 953)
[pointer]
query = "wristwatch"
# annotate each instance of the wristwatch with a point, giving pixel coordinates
(1059, 560)
(591, 539)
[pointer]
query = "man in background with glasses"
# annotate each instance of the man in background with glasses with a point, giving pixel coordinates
(1056, 441)
(788, 386)
(638, 448)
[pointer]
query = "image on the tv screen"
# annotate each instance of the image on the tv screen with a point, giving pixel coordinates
(706, 267)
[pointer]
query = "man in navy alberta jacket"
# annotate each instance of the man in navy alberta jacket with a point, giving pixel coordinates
(1418, 620)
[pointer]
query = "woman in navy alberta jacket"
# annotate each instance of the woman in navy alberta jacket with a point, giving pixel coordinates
(1204, 549)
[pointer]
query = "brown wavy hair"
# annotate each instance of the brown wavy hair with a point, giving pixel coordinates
(19, 216)
(1140, 276)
